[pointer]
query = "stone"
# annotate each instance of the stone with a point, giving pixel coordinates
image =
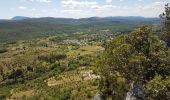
(97, 97)
(136, 93)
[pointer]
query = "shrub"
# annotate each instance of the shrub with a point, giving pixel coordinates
(2, 50)
(51, 58)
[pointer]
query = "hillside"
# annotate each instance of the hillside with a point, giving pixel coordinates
(57, 63)
(19, 18)
(20, 28)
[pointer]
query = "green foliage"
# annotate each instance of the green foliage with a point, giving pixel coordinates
(89, 94)
(136, 57)
(66, 94)
(58, 67)
(16, 74)
(43, 27)
(58, 94)
(4, 92)
(158, 88)
(52, 57)
(3, 50)
(166, 26)
(58, 38)
(32, 65)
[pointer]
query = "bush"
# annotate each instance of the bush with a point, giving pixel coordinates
(2, 50)
(136, 57)
(51, 58)
(58, 67)
(16, 74)
(4, 92)
(66, 95)
(158, 88)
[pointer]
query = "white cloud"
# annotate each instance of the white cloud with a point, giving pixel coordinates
(155, 5)
(44, 1)
(85, 5)
(89, 8)
(71, 11)
(108, 1)
(77, 4)
(44, 11)
(149, 10)
(33, 9)
(102, 8)
(21, 7)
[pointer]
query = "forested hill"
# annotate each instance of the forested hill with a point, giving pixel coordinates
(20, 28)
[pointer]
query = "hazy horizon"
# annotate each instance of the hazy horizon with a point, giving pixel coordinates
(77, 18)
(80, 8)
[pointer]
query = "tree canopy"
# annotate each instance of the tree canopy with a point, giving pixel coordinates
(137, 57)
(166, 24)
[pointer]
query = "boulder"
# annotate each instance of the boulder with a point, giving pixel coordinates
(97, 97)
(136, 93)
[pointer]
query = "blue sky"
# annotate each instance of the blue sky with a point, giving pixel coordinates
(80, 8)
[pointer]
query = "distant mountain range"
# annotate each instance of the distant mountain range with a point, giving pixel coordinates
(87, 20)
(19, 18)
(19, 27)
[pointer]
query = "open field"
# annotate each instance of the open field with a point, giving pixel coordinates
(85, 50)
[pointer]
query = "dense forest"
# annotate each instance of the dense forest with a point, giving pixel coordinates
(29, 28)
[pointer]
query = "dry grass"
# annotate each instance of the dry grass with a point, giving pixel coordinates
(85, 50)
(23, 93)
(91, 48)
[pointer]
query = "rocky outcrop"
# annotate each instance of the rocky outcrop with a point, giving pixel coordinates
(136, 93)
(97, 97)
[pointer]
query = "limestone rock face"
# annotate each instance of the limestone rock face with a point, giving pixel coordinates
(136, 93)
(97, 97)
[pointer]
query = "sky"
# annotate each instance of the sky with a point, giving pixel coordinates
(80, 8)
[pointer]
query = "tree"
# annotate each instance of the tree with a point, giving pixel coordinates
(2, 73)
(3, 50)
(166, 27)
(135, 58)
(51, 58)
(158, 88)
